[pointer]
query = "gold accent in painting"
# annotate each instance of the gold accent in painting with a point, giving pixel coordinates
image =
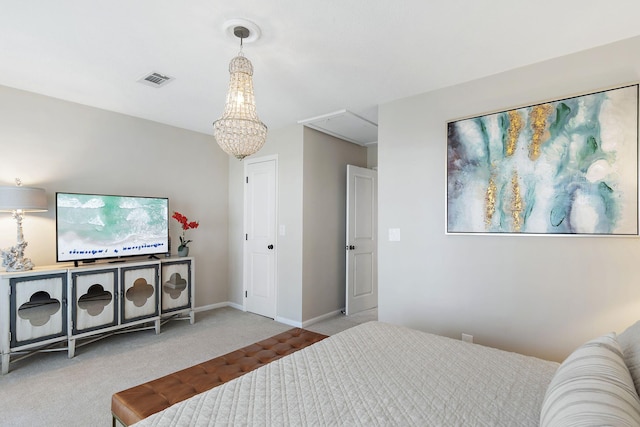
(515, 126)
(490, 202)
(538, 118)
(516, 203)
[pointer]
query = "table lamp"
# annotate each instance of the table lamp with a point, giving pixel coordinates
(18, 200)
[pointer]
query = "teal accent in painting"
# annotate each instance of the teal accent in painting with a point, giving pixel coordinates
(563, 113)
(485, 142)
(589, 149)
(504, 122)
(609, 199)
(529, 197)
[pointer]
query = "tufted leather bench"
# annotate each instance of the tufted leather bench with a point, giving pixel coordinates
(134, 404)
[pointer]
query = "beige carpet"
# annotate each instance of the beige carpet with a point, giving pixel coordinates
(52, 390)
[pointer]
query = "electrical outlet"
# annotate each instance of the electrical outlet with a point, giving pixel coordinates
(467, 338)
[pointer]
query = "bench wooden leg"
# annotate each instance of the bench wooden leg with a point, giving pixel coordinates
(115, 421)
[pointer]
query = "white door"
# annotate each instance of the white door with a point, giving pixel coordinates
(362, 239)
(260, 236)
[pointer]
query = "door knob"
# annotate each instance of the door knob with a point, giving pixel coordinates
(270, 247)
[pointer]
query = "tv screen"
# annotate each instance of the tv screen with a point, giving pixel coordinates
(95, 226)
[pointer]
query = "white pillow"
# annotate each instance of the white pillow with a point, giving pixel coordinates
(592, 387)
(630, 343)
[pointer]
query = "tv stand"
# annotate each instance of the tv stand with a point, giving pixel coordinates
(60, 308)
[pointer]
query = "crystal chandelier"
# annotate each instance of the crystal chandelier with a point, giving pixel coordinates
(239, 131)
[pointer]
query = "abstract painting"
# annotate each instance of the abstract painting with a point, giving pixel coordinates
(566, 167)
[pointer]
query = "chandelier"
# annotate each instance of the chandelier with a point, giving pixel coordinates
(239, 131)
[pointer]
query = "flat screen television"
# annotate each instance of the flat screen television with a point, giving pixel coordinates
(97, 226)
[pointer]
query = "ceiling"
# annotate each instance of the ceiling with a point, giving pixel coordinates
(314, 57)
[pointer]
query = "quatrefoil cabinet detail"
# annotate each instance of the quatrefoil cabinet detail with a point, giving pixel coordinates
(93, 294)
(39, 309)
(176, 292)
(140, 292)
(62, 307)
(95, 300)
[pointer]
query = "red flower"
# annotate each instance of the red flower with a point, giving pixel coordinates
(186, 225)
(179, 217)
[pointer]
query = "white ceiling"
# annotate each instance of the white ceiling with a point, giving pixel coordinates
(314, 56)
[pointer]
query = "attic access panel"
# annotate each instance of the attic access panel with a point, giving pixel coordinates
(345, 125)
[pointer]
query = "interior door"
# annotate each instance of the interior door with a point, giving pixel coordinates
(260, 236)
(362, 239)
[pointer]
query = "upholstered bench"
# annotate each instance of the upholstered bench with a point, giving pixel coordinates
(134, 404)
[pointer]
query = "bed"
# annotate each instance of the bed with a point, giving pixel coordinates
(382, 374)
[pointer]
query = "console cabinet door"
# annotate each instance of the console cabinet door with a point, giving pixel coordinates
(176, 286)
(38, 308)
(139, 298)
(94, 300)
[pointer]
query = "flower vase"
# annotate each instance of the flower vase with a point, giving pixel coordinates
(183, 251)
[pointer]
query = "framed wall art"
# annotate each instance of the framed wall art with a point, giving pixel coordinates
(564, 167)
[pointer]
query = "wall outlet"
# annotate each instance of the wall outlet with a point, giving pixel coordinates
(467, 338)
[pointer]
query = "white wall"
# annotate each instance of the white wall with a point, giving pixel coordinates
(537, 295)
(287, 144)
(62, 146)
(324, 212)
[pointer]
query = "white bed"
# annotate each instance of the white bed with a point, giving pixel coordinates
(377, 374)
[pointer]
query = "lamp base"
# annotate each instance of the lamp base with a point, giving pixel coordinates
(13, 258)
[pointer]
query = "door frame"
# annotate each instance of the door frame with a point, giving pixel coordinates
(247, 162)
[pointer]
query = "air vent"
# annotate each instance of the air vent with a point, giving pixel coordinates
(155, 79)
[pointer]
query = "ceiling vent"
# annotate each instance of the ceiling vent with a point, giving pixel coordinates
(345, 125)
(155, 80)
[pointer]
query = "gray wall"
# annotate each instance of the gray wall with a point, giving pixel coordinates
(311, 197)
(537, 295)
(325, 182)
(372, 156)
(62, 146)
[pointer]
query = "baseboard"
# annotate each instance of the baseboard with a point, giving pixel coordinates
(218, 305)
(235, 305)
(280, 319)
(289, 322)
(310, 322)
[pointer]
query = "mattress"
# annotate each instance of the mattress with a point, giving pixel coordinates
(377, 374)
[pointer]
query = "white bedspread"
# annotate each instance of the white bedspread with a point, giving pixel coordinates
(377, 374)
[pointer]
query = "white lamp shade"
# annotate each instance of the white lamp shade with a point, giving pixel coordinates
(28, 199)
